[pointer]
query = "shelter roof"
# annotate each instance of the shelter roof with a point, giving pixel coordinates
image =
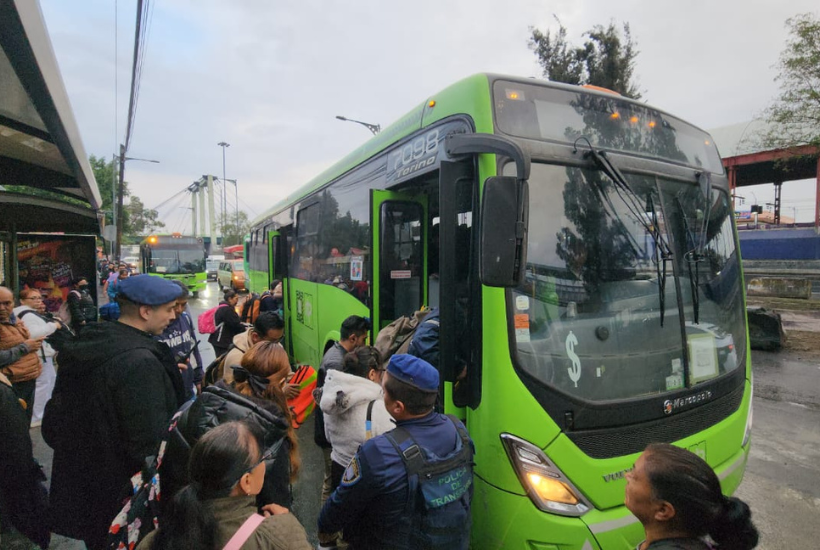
(40, 145)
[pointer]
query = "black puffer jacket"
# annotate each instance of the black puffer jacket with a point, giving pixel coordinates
(219, 404)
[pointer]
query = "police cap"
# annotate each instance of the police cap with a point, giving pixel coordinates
(148, 290)
(414, 371)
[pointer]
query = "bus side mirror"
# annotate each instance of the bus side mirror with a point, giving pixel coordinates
(503, 239)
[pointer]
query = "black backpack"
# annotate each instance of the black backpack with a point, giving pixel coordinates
(216, 369)
(439, 493)
(59, 337)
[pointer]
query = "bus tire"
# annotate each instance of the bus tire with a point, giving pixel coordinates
(195, 294)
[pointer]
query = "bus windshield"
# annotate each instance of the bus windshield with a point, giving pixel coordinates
(180, 261)
(597, 314)
(608, 121)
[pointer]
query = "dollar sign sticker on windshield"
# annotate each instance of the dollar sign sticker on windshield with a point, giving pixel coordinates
(575, 370)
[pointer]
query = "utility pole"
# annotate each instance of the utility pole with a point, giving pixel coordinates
(118, 243)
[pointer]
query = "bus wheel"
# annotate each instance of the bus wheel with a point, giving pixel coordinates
(195, 294)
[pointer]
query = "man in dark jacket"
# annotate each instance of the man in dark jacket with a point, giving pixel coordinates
(23, 499)
(116, 390)
(81, 305)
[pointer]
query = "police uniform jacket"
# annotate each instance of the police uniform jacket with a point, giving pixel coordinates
(116, 391)
(370, 504)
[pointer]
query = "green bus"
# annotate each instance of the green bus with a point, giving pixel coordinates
(581, 249)
(177, 257)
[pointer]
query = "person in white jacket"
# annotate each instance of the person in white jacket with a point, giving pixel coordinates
(30, 312)
(353, 403)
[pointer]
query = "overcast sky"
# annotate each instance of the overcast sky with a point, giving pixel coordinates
(269, 77)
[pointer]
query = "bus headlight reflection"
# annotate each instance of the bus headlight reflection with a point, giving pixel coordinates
(548, 488)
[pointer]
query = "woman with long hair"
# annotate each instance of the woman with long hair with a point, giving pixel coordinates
(227, 471)
(264, 371)
(677, 497)
(255, 396)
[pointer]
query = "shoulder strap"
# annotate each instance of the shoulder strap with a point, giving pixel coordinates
(244, 533)
(368, 425)
(412, 456)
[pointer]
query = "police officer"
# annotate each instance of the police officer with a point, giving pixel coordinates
(116, 390)
(378, 504)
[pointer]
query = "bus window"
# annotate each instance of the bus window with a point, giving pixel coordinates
(307, 243)
(402, 263)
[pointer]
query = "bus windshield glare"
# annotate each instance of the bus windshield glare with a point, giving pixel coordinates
(172, 261)
(597, 313)
(607, 121)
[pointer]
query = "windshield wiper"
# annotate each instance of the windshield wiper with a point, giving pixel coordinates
(663, 252)
(695, 254)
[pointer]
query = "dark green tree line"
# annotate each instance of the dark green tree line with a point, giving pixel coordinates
(606, 58)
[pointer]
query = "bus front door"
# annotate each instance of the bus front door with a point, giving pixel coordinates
(399, 266)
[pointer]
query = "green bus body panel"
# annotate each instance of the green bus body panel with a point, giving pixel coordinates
(506, 520)
(195, 281)
(721, 442)
(256, 281)
(314, 312)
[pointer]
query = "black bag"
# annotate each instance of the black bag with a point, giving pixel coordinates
(216, 369)
(140, 512)
(59, 337)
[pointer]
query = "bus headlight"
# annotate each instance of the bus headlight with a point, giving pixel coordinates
(548, 487)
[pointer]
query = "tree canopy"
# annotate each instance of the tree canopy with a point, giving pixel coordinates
(794, 117)
(235, 228)
(606, 58)
(137, 220)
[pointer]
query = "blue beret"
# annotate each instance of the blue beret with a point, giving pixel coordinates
(149, 290)
(414, 371)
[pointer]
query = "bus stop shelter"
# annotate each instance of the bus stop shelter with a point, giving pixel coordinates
(46, 181)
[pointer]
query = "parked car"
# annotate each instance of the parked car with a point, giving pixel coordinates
(212, 266)
(132, 262)
(231, 274)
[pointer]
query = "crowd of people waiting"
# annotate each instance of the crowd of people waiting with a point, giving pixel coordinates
(126, 389)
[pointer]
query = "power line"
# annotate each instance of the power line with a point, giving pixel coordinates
(160, 205)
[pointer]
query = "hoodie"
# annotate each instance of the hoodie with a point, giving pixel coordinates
(116, 391)
(344, 402)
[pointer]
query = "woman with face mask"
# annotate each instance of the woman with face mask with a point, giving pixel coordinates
(81, 305)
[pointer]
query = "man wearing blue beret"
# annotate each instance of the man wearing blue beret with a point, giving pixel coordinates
(411, 487)
(116, 390)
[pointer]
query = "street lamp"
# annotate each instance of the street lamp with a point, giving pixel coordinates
(375, 128)
(118, 210)
(224, 146)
